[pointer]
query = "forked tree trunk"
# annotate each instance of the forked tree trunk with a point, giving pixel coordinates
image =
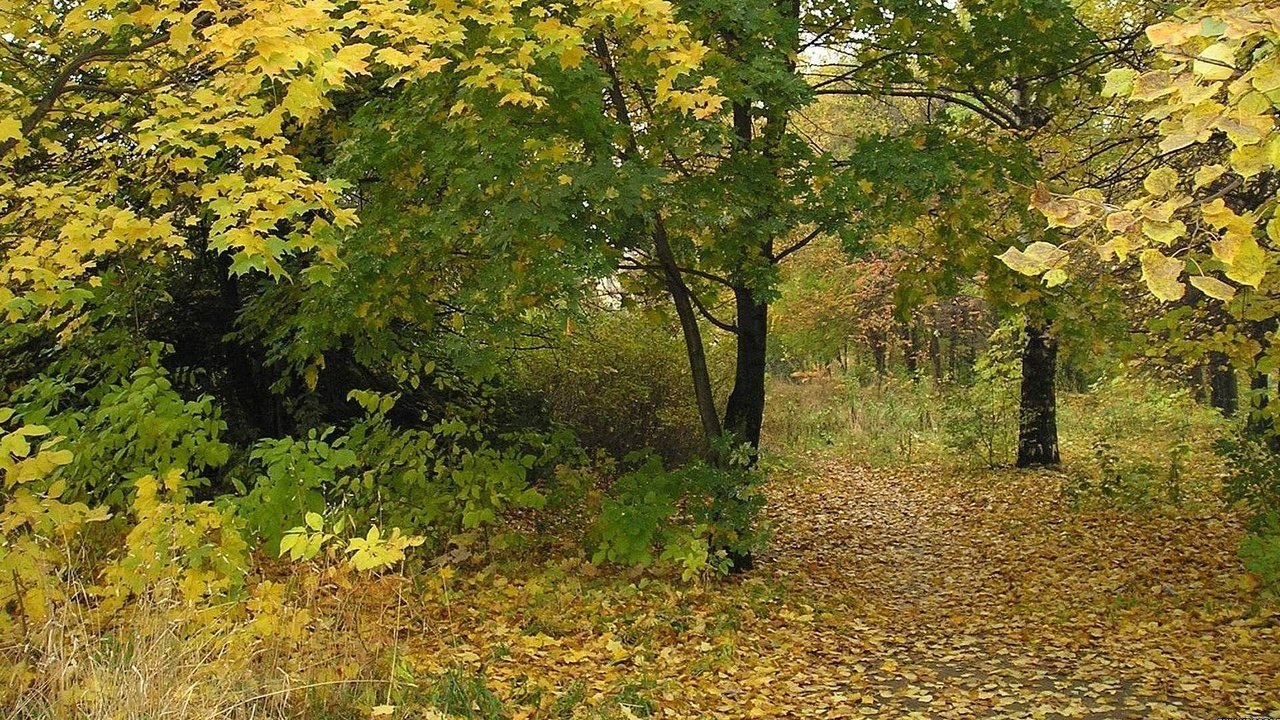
(1038, 411)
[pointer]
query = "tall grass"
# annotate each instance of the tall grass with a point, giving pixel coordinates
(1126, 431)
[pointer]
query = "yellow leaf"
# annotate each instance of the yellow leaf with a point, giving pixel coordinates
(1164, 232)
(1216, 62)
(572, 57)
(1248, 266)
(10, 129)
(1162, 275)
(1208, 174)
(1172, 32)
(1213, 287)
(1161, 181)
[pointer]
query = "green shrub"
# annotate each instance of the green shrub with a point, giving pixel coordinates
(1131, 440)
(1253, 480)
(451, 477)
(698, 517)
(120, 432)
(620, 383)
(980, 420)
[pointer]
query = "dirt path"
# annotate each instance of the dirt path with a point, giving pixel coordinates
(995, 601)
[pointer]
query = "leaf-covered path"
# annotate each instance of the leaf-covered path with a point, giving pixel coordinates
(892, 594)
(994, 600)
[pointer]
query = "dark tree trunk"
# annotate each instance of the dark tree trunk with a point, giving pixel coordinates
(1038, 412)
(878, 353)
(694, 348)
(1259, 424)
(910, 348)
(744, 412)
(935, 351)
(1224, 389)
(953, 341)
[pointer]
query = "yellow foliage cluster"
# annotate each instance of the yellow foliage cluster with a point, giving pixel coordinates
(122, 125)
(1219, 74)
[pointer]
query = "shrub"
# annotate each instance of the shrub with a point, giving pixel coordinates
(699, 517)
(621, 384)
(1253, 480)
(980, 420)
(1130, 440)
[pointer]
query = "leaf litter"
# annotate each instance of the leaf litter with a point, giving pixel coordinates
(909, 593)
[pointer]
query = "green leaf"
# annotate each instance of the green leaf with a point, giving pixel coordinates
(1119, 82)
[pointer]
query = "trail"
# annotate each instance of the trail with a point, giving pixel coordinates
(991, 599)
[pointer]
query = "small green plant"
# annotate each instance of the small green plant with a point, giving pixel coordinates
(1253, 480)
(980, 420)
(699, 516)
(460, 694)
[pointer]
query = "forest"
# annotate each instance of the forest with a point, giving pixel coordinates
(615, 359)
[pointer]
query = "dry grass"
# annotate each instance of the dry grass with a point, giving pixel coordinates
(259, 658)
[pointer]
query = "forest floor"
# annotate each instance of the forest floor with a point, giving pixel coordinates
(889, 593)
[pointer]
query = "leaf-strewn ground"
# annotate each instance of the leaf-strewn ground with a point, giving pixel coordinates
(905, 593)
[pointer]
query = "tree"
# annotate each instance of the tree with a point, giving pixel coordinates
(1216, 85)
(1010, 83)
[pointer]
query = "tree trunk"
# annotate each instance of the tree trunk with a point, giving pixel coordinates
(1038, 413)
(878, 353)
(1259, 424)
(692, 334)
(953, 341)
(744, 412)
(935, 349)
(1224, 389)
(910, 348)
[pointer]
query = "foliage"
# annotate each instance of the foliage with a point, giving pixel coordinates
(1148, 448)
(121, 432)
(698, 515)
(1216, 80)
(1254, 480)
(619, 383)
(980, 418)
(298, 476)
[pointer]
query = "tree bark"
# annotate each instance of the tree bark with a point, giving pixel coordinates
(744, 412)
(878, 353)
(1224, 389)
(910, 348)
(1038, 412)
(935, 349)
(694, 348)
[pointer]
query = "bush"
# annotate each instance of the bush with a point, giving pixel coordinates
(980, 420)
(1253, 480)
(1131, 439)
(698, 517)
(621, 384)
(451, 477)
